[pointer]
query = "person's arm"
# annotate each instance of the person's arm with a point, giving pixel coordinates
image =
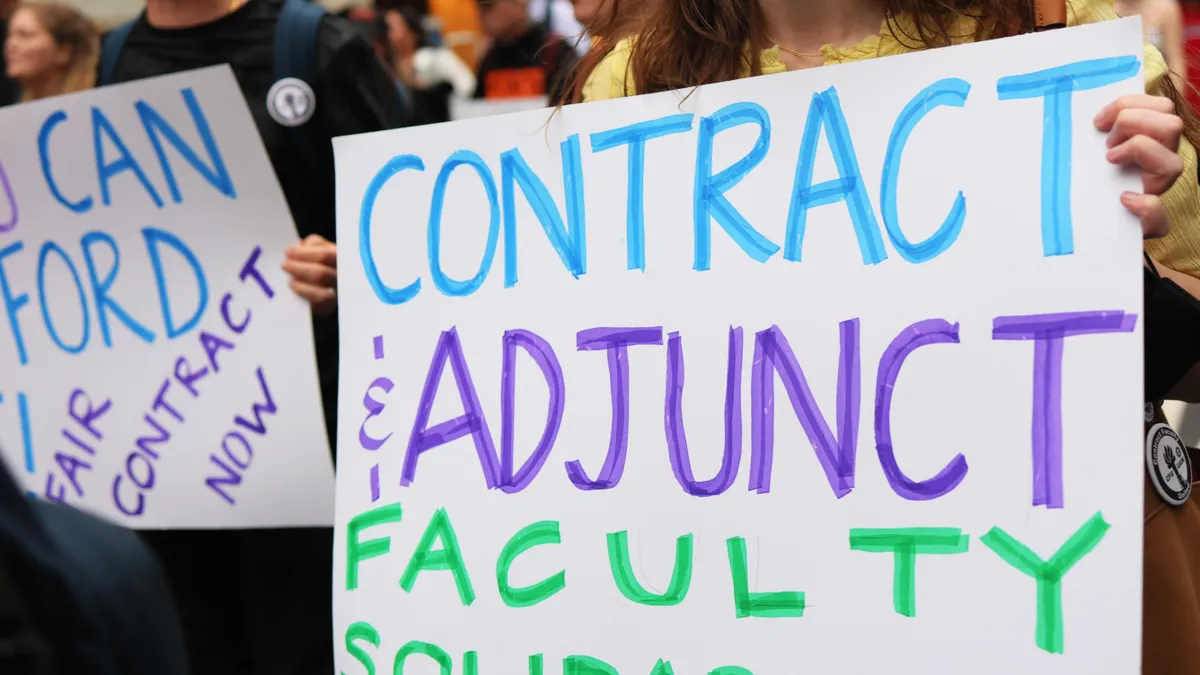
(456, 72)
(1176, 54)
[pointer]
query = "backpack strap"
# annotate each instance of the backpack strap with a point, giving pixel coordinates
(1049, 14)
(110, 52)
(296, 56)
(296, 40)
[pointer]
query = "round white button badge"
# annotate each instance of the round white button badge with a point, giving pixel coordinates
(1169, 465)
(291, 102)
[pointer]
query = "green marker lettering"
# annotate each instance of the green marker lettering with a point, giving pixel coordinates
(731, 670)
(448, 557)
(433, 651)
(905, 543)
(471, 663)
(627, 583)
(362, 631)
(535, 664)
(538, 534)
(662, 667)
(586, 665)
(775, 605)
(1048, 574)
(357, 551)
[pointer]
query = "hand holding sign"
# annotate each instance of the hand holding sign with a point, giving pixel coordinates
(1144, 132)
(313, 266)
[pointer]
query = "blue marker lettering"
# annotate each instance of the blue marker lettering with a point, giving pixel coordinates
(48, 248)
(825, 113)
(58, 117)
(154, 237)
(106, 170)
(100, 289)
(636, 136)
(1055, 86)
(385, 293)
(444, 283)
(13, 303)
(217, 176)
(569, 242)
(951, 92)
(709, 197)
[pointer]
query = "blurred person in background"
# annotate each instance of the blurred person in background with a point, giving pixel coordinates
(559, 16)
(431, 74)
(1162, 22)
(10, 91)
(51, 49)
(526, 60)
(258, 602)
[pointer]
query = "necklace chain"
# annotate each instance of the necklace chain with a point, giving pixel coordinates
(793, 52)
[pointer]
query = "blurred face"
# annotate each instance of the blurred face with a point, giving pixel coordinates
(30, 50)
(503, 19)
(402, 40)
(587, 11)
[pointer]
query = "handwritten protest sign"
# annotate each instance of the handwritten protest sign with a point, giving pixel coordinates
(157, 369)
(908, 435)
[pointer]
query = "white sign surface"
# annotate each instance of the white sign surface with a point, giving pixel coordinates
(158, 370)
(909, 436)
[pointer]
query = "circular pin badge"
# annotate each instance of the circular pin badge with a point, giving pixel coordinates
(1148, 412)
(1169, 465)
(291, 102)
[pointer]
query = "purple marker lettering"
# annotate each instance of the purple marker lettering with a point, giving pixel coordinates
(920, 334)
(187, 377)
(258, 426)
(546, 360)
(250, 269)
(378, 343)
(677, 447)
(144, 442)
(374, 408)
(216, 483)
(60, 496)
(237, 328)
(213, 346)
(472, 423)
(247, 452)
(773, 354)
(616, 341)
(160, 402)
(1048, 331)
(71, 466)
(148, 482)
(78, 443)
(90, 413)
(116, 495)
(374, 483)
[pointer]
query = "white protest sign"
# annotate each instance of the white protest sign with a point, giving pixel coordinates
(885, 279)
(158, 370)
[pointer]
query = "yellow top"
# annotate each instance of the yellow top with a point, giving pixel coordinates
(1180, 250)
